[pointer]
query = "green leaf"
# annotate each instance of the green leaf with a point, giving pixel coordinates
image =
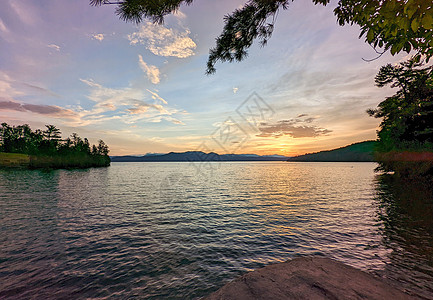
(427, 21)
(415, 25)
(370, 35)
(411, 10)
(393, 49)
(404, 23)
(396, 48)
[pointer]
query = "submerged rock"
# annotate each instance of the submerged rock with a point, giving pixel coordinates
(308, 278)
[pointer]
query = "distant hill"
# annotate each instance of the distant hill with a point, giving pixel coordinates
(362, 151)
(197, 156)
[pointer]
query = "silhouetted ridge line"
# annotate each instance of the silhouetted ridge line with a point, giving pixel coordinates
(358, 152)
(197, 156)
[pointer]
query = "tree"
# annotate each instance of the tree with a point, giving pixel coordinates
(102, 148)
(76, 140)
(394, 25)
(48, 150)
(6, 137)
(86, 146)
(52, 133)
(407, 116)
(94, 150)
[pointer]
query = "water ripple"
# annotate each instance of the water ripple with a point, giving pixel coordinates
(160, 230)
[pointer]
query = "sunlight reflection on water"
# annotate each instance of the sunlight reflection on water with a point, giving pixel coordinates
(162, 230)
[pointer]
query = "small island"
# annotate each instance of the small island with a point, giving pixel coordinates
(21, 147)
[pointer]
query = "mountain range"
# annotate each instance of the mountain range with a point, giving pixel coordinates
(362, 151)
(197, 156)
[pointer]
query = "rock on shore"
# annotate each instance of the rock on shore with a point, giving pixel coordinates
(308, 278)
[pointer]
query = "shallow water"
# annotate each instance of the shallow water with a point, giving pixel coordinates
(181, 230)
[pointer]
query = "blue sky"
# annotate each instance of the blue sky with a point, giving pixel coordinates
(142, 88)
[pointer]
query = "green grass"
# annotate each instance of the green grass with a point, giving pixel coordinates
(14, 160)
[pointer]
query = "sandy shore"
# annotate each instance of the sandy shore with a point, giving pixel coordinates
(308, 278)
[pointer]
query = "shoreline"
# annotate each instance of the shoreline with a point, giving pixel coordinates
(31, 162)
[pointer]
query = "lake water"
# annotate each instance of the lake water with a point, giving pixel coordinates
(181, 230)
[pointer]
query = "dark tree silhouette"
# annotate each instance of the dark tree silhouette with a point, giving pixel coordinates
(52, 133)
(102, 148)
(407, 116)
(392, 25)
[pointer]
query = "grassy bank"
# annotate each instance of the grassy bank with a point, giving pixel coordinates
(75, 161)
(11, 160)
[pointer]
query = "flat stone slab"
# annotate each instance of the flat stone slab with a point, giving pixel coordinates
(308, 278)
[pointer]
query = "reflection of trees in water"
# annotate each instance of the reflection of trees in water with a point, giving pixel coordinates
(405, 210)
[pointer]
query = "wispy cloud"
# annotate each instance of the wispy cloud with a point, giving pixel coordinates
(6, 87)
(130, 104)
(10, 105)
(174, 120)
(98, 36)
(163, 41)
(14, 88)
(140, 107)
(155, 96)
(51, 110)
(54, 46)
(3, 27)
(180, 15)
(39, 89)
(152, 72)
(91, 83)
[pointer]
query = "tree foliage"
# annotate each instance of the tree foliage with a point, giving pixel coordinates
(407, 116)
(391, 25)
(48, 143)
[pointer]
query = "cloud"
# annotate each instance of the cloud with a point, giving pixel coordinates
(180, 15)
(14, 88)
(51, 110)
(151, 71)
(130, 105)
(39, 89)
(98, 36)
(295, 128)
(10, 105)
(110, 97)
(155, 96)
(163, 41)
(91, 83)
(24, 11)
(174, 121)
(3, 27)
(54, 46)
(142, 107)
(6, 87)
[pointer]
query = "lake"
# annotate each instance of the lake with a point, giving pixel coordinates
(182, 230)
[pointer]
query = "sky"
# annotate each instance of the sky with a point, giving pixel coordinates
(143, 88)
